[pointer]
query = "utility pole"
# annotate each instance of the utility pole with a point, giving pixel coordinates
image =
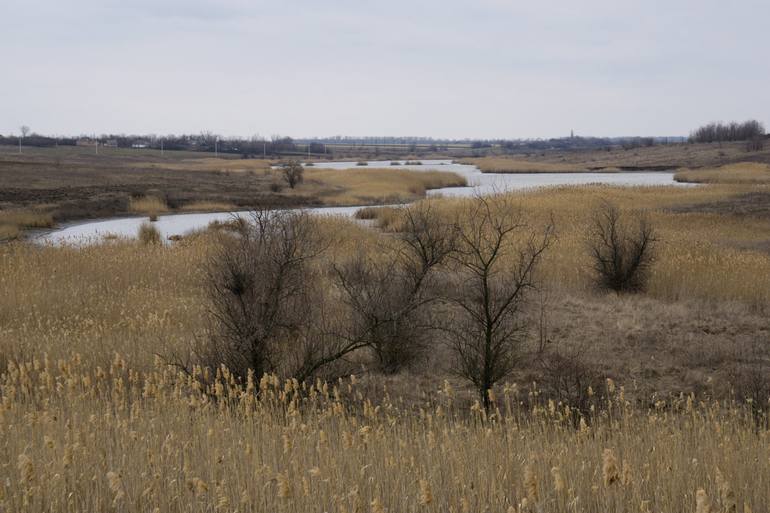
(264, 148)
(161, 146)
(216, 147)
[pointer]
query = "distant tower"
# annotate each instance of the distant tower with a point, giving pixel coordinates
(571, 134)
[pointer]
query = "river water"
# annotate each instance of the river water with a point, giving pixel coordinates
(478, 183)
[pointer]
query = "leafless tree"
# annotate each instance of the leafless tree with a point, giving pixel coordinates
(24, 129)
(293, 172)
(622, 254)
(495, 263)
(388, 297)
(259, 286)
(268, 303)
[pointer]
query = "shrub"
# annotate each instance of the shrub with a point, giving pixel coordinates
(366, 213)
(149, 234)
(293, 173)
(622, 254)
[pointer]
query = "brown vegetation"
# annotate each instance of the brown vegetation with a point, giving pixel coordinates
(649, 402)
(742, 173)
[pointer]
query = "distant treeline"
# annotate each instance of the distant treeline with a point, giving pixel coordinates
(206, 142)
(723, 132)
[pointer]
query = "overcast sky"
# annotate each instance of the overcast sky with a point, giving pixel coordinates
(442, 68)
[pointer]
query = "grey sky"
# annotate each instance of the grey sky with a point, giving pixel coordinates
(483, 68)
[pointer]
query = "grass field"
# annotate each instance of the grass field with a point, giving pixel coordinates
(96, 416)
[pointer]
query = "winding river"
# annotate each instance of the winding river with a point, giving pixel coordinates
(478, 183)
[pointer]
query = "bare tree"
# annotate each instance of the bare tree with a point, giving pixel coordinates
(388, 297)
(496, 260)
(259, 286)
(24, 129)
(293, 172)
(268, 304)
(622, 254)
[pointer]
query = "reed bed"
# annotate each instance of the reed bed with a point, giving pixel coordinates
(12, 222)
(375, 186)
(75, 438)
(209, 206)
(700, 254)
(150, 205)
(520, 165)
(741, 173)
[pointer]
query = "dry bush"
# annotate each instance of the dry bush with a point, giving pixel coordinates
(150, 205)
(268, 306)
(293, 173)
(621, 254)
(389, 298)
(149, 234)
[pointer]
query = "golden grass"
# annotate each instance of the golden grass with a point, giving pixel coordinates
(150, 205)
(92, 420)
(12, 222)
(209, 206)
(374, 186)
(521, 165)
(741, 173)
(9, 232)
(701, 255)
(76, 438)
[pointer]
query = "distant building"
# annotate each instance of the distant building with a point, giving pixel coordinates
(110, 143)
(85, 141)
